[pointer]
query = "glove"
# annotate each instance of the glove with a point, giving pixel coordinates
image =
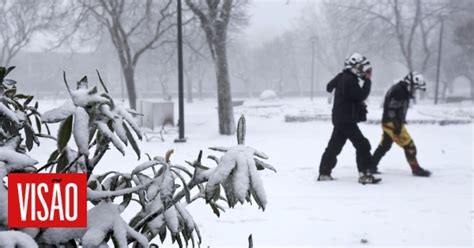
(397, 128)
(397, 131)
(368, 74)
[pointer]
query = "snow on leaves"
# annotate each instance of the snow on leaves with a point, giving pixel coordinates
(93, 119)
(13, 156)
(16, 239)
(105, 218)
(161, 210)
(59, 114)
(237, 173)
(81, 130)
(104, 222)
(162, 189)
(85, 97)
(16, 114)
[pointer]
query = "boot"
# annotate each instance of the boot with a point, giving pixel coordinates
(420, 172)
(368, 178)
(323, 177)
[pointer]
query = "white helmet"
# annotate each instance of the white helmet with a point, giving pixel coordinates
(416, 81)
(346, 63)
(358, 62)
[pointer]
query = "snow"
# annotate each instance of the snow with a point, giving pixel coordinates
(81, 130)
(238, 175)
(151, 207)
(257, 190)
(402, 211)
(81, 162)
(219, 175)
(117, 124)
(60, 235)
(145, 166)
(10, 114)
(186, 216)
(14, 159)
(3, 197)
(167, 187)
(101, 219)
(16, 239)
(122, 111)
(104, 130)
(153, 190)
(268, 95)
(101, 194)
(171, 220)
(105, 110)
(84, 97)
(423, 113)
(241, 181)
(58, 114)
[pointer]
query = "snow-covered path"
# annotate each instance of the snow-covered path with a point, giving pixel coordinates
(402, 211)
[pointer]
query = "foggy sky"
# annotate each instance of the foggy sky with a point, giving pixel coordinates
(269, 18)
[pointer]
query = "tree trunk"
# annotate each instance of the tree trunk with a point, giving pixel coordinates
(189, 90)
(249, 88)
(164, 89)
(224, 97)
(472, 87)
(200, 89)
(298, 84)
(129, 76)
(445, 89)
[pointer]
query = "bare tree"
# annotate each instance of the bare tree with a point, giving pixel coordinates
(410, 23)
(20, 21)
(195, 74)
(336, 32)
(196, 65)
(197, 56)
(163, 67)
(275, 63)
(464, 38)
(214, 17)
(241, 61)
(134, 27)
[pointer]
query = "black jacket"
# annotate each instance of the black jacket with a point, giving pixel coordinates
(349, 106)
(395, 106)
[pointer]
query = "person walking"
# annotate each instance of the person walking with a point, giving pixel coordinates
(395, 107)
(348, 110)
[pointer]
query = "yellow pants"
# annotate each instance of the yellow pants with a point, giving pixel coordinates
(403, 139)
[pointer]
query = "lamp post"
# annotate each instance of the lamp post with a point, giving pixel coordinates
(313, 40)
(181, 137)
(438, 67)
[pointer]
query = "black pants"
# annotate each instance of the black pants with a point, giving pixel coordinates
(340, 134)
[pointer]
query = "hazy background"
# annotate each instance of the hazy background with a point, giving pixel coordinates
(270, 48)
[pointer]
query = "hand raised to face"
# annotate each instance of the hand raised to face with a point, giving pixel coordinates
(368, 74)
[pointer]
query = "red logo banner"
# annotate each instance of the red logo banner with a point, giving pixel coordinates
(47, 200)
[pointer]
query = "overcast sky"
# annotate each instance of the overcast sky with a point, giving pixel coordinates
(269, 18)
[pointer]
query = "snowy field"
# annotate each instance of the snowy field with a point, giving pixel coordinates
(402, 211)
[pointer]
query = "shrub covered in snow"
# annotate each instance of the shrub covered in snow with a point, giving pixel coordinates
(16, 239)
(162, 189)
(268, 95)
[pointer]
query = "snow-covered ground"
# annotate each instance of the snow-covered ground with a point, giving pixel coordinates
(402, 211)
